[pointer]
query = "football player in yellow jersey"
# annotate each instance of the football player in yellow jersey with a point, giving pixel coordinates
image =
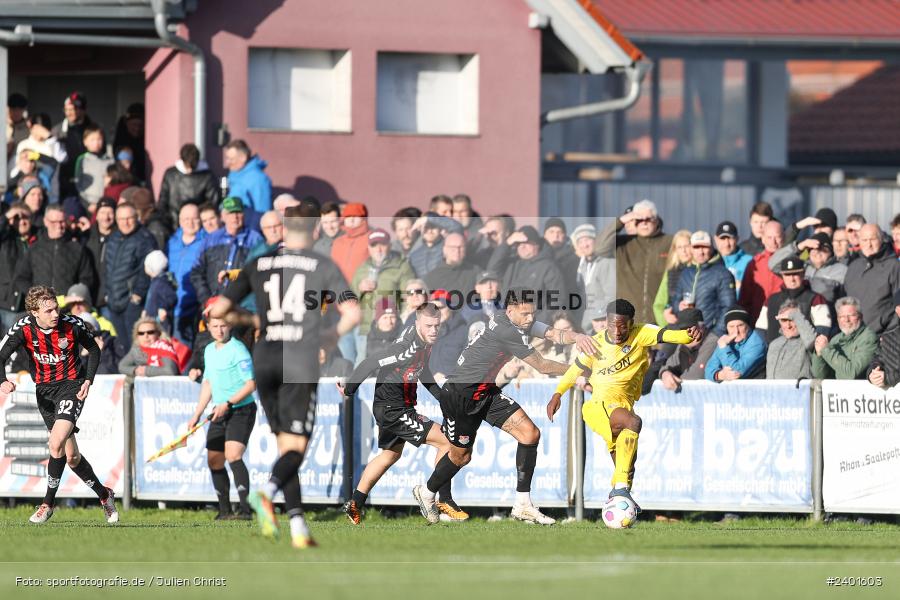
(616, 371)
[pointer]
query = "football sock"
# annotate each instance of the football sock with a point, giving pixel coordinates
(241, 482)
(359, 497)
(285, 467)
(85, 472)
(292, 497)
(55, 468)
(523, 498)
(445, 492)
(443, 473)
(299, 528)
(626, 451)
(526, 459)
(222, 484)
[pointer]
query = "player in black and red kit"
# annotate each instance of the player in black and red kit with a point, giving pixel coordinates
(293, 287)
(62, 383)
(399, 368)
(470, 396)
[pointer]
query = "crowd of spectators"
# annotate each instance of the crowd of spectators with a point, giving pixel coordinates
(810, 298)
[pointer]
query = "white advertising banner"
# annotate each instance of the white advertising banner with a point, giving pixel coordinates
(861, 447)
(101, 439)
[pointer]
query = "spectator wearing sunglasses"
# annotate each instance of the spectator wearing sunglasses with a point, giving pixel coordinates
(151, 355)
(415, 295)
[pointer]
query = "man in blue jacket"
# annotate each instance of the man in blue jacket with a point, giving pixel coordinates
(736, 260)
(222, 251)
(126, 281)
(741, 352)
(705, 284)
(184, 250)
(246, 179)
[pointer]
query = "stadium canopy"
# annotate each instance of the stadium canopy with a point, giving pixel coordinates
(94, 15)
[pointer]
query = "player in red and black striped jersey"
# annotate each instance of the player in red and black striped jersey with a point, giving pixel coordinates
(471, 396)
(398, 369)
(62, 382)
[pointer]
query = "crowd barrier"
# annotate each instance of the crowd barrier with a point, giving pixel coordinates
(101, 438)
(753, 446)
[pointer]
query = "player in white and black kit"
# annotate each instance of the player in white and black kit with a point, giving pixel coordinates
(470, 396)
(399, 368)
(293, 287)
(62, 383)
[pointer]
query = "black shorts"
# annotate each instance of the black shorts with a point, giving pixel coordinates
(289, 407)
(399, 424)
(234, 427)
(463, 416)
(59, 401)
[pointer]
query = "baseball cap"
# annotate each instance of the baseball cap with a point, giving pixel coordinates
(792, 264)
(726, 229)
(486, 276)
(77, 99)
(379, 236)
(106, 202)
(440, 297)
(599, 314)
(701, 238)
(232, 205)
(17, 100)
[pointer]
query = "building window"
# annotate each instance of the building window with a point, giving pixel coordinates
(691, 111)
(427, 93)
(299, 89)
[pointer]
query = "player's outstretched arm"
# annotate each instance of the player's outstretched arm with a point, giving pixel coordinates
(545, 365)
(583, 342)
(679, 336)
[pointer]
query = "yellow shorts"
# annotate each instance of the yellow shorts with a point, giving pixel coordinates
(596, 415)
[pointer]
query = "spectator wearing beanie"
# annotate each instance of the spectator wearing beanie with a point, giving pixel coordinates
(385, 327)
(824, 221)
(885, 368)
(848, 354)
(825, 274)
(812, 305)
(688, 361)
(351, 249)
(188, 181)
(557, 238)
(162, 295)
(740, 353)
(790, 354)
(595, 276)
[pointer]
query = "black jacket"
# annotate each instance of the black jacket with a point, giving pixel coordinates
(12, 249)
(125, 267)
(179, 188)
(873, 281)
(459, 278)
(59, 263)
(539, 273)
(888, 357)
(96, 243)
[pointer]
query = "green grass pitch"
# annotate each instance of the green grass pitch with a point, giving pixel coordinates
(403, 558)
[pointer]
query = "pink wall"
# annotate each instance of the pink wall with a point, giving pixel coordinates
(499, 168)
(169, 100)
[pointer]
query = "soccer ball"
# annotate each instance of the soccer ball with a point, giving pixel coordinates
(619, 513)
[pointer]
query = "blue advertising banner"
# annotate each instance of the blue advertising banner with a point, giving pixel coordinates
(163, 406)
(742, 445)
(490, 479)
